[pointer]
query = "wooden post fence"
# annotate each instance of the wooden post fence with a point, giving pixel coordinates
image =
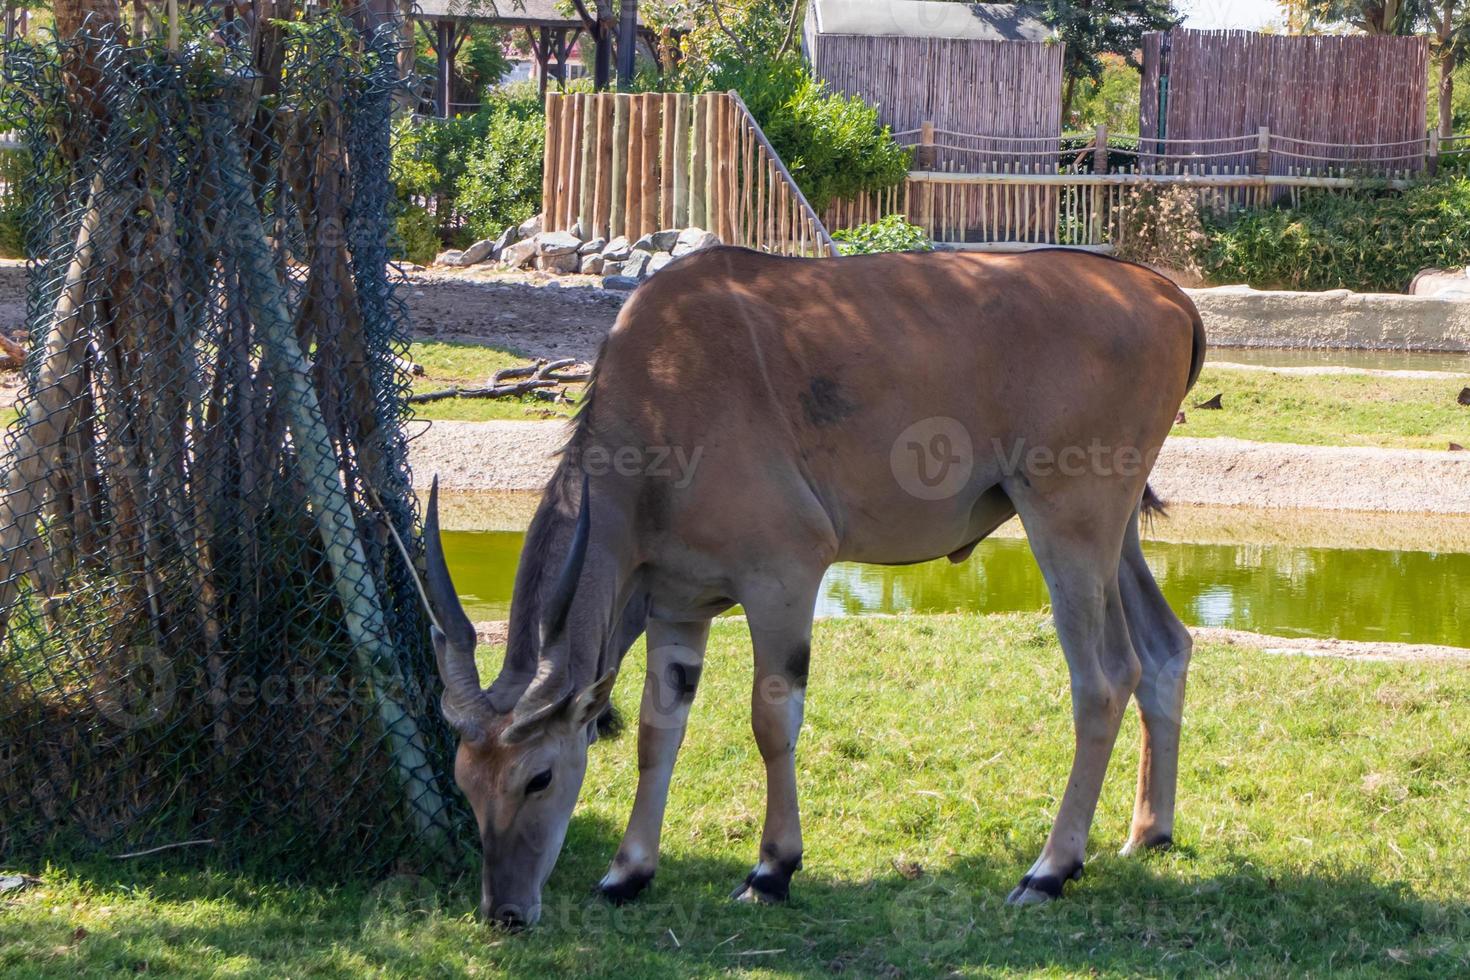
(631, 164)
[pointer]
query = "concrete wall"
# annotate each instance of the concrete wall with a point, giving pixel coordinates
(1238, 316)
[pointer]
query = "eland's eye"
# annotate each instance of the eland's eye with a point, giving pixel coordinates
(538, 782)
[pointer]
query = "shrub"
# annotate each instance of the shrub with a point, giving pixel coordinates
(1162, 226)
(417, 235)
(14, 167)
(1369, 240)
(833, 145)
(482, 171)
(889, 234)
(501, 183)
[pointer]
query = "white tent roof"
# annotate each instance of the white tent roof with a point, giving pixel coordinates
(925, 18)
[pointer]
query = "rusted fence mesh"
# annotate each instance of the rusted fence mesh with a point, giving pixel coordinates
(205, 634)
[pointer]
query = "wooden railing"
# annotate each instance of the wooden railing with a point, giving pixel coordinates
(1261, 151)
(1005, 211)
(621, 164)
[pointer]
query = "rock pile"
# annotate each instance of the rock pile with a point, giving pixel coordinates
(621, 263)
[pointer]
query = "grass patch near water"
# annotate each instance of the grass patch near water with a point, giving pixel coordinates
(1330, 409)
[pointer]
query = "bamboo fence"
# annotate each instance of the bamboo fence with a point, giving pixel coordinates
(1344, 104)
(998, 102)
(624, 164)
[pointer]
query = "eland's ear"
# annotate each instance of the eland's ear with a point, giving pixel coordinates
(523, 726)
(592, 700)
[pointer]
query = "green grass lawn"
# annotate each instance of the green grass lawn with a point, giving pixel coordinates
(1330, 410)
(1324, 809)
(449, 365)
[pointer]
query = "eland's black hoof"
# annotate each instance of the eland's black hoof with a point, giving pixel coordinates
(1034, 890)
(767, 884)
(623, 890)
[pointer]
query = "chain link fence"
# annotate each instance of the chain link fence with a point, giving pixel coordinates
(206, 635)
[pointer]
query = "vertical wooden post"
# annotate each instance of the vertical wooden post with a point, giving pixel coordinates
(668, 122)
(682, 122)
(602, 207)
(550, 161)
(615, 221)
(566, 193)
(1263, 150)
(698, 164)
(1100, 150)
(651, 165)
(1432, 150)
(747, 182)
(587, 191)
(711, 163)
(633, 212)
(721, 196)
(925, 156)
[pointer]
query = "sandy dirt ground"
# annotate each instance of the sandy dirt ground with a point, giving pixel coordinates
(1211, 472)
(1346, 649)
(529, 313)
(494, 633)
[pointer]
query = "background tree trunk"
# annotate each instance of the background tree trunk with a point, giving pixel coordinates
(71, 15)
(627, 43)
(1448, 56)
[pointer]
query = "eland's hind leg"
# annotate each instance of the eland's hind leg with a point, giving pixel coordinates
(675, 659)
(1076, 530)
(1163, 645)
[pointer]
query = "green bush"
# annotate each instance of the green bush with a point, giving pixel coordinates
(501, 183)
(14, 165)
(834, 146)
(483, 171)
(417, 235)
(889, 234)
(1370, 240)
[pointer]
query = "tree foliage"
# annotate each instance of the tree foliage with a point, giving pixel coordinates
(1093, 28)
(834, 145)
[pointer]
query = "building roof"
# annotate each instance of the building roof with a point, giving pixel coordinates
(926, 18)
(513, 13)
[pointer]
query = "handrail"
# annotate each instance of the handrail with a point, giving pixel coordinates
(631, 164)
(775, 160)
(1128, 179)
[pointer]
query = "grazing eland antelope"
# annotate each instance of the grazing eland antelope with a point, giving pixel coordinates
(753, 420)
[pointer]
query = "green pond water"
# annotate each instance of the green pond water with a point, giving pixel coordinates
(1350, 594)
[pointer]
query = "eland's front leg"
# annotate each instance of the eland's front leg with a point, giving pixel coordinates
(781, 632)
(675, 659)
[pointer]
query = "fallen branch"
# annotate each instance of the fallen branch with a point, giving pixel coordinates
(541, 369)
(536, 380)
(165, 847)
(492, 391)
(12, 350)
